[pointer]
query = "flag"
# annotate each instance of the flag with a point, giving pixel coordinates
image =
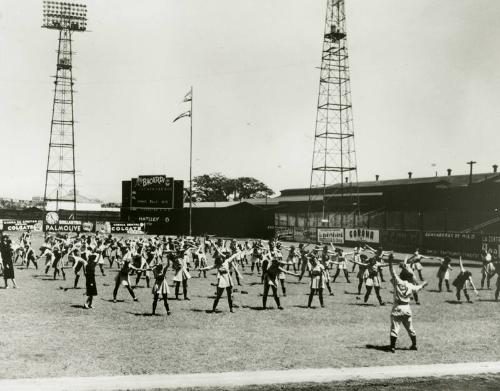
(185, 114)
(188, 97)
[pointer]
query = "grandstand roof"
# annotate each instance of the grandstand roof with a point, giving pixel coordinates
(449, 181)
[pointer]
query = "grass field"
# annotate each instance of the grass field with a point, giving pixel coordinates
(44, 331)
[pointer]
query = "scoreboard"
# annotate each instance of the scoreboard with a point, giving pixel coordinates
(152, 192)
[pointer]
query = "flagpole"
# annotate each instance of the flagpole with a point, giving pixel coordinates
(191, 167)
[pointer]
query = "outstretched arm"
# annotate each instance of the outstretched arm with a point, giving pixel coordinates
(473, 286)
(462, 269)
(204, 269)
(288, 272)
(391, 269)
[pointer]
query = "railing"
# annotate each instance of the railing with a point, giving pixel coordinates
(482, 225)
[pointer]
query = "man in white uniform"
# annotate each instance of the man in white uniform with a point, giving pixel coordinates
(401, 311)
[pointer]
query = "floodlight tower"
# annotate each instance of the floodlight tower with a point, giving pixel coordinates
(60, 184)
(334, 170)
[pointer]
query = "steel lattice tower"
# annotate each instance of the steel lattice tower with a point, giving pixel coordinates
(60, 183)
(334, 170)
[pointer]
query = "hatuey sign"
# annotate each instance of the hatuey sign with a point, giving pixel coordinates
(362, 235)
(331, 235)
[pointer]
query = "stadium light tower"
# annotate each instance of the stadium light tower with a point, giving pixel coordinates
(60, 184)
(334, 168)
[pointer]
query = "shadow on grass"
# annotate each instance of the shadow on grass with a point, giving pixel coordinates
(145, 314)
(453, 302)
(363, 304)
(488, 300)
(70, 288)
(111, 300)
(351, 293)
(302, 306)
(254, 283)
(381, 348)
(255, 308)
(208, 311)
(81, 306)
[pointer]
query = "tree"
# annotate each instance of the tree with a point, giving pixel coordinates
(216, 188)
(212, 187)
(247, 187)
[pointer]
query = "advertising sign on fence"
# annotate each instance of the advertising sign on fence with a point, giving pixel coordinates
(331, 235)
(103, 227)
(283, 233)
(64, 226)
(128, 228)
(362, 235)
(304, 234)
(454, 244)
(491, 243)
(21, 225)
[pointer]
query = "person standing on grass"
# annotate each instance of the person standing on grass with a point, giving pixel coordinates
(444, 273)
(292, 258)
(304, 260)
(408, 275)
(282, 275)
(202, 260)
(30, 256)
(90, 283)
(317, 281)
(7, 254)
(57, 263)
(372, 277)
(49, 257)
(463, 280)
(362, 275)
(379, 255)
(122, 278)
(488, 270)
(160, 286)
(356, 255)
(256, 258)
(181, 274)
(401, 311)
(78, 265)
(416, 263)
(326, 261)
(270, 280)
(224, 264)
(341, 265)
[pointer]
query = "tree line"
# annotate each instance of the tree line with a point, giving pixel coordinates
(217, 188)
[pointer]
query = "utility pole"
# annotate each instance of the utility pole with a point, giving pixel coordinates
(471, 163)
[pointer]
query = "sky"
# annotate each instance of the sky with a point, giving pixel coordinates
(425, 78)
